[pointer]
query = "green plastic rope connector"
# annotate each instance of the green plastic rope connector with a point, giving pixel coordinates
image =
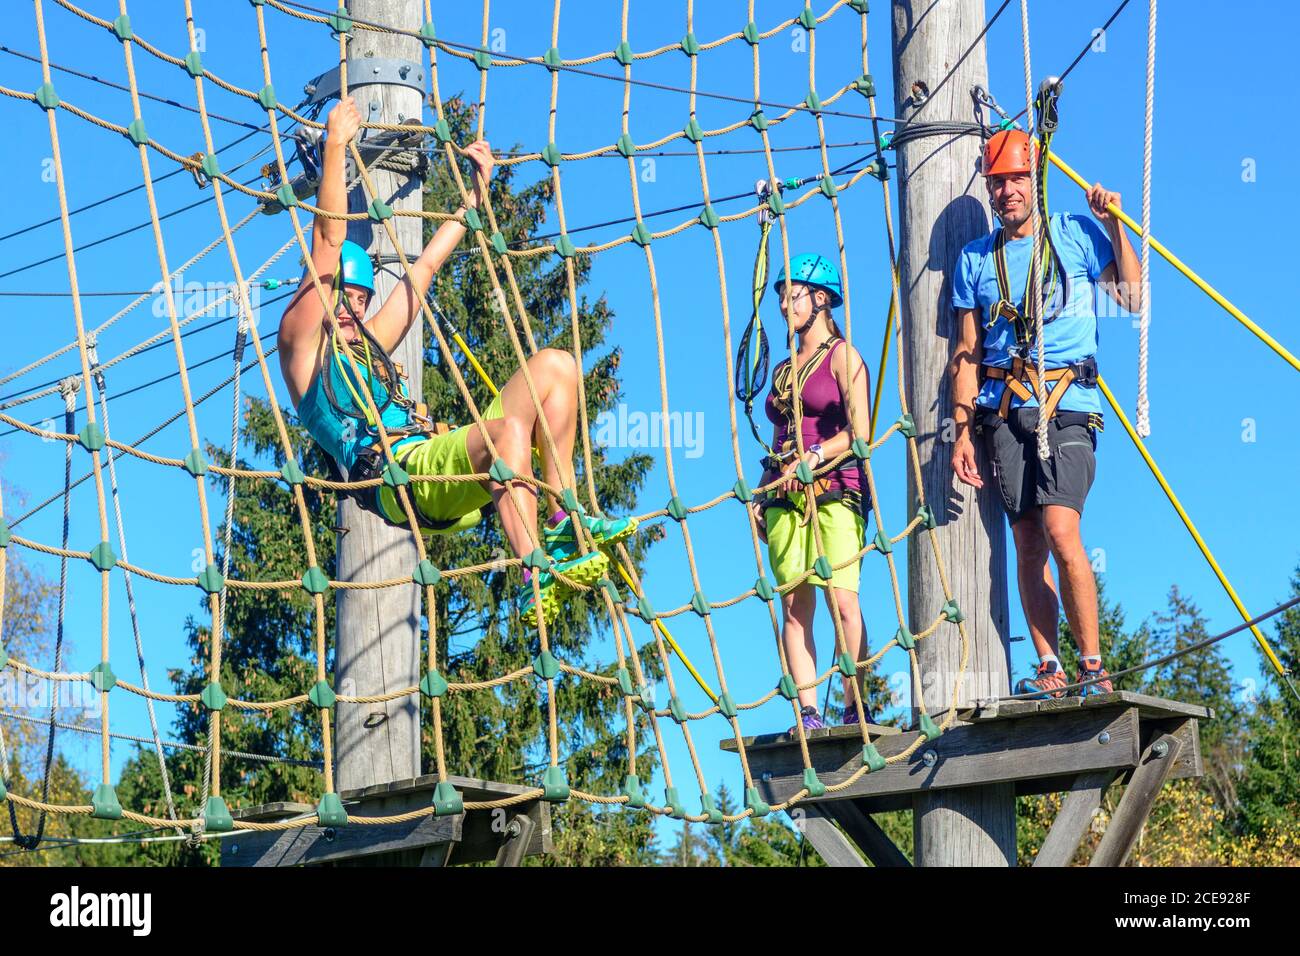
(804, 473)
(690, 45)
(121, 28)
(91, 437)
(1007, 123)
(928, 727)
(105, 803)
(828, 187)
(46, 98)
(428, 36)
(433, 684)
(4, 657)
(623, 53)
(883, 544)
(905, 639)
(951, 612)
(330, 812)
(871, 758)
(709, 807)
(808, 19)
(865, 85)
(286, 196)
(763, 588)
(907, 425)
(787, 688)
(926, 514)
(4, 533)
(700, 604)
(213, 697)
(555, 789)
(726, 706)
(216, 816)
(102, 556)
(210, 579)
(426, 574)
(862, 6)
(861, 449)
(644, 609)
(4, 791)
(340, 22)
(545, 666)
(693, 131)
(394, 475)
(813, 101)
(673, 801)
(210, 166)
(676, 508)
(552, 59)
(709, 218)
(776, 204)
(378, 210)
(742, 491)
(537, 559)
(499, 243)
(194, 64)
(625, 682)
(755, 804)
(473, 220)
(314, 581)
(271, 284)
(610, 588)
(676, 709)
(879, 169)
(625, 145)
(482, 60)
(848, 667)
(102, 677)
(632, 790)
(266, 97)
(446, 801)
(322, 695)
(569, 501)
(814, 786)
(442, 132)
(196, 464)
(822, 568)
(641, 235)
(551, 155)
(291, 472)
(564, 247)
(758, 120)
(750, 33)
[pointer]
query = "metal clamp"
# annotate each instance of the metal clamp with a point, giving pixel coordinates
(366, 71)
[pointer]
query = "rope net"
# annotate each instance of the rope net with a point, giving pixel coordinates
(626, 604)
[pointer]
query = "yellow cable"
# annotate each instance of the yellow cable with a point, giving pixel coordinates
(1187, 521)
(1178, 264)
(884, 363)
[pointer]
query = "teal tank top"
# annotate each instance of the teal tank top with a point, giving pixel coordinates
(342, 436)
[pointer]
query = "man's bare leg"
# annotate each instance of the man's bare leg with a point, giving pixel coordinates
(1037, 589)
(1078, 586)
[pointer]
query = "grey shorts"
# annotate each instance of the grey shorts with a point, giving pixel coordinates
(1026, 482)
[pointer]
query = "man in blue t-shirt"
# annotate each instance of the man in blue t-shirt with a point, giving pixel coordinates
(996, 391)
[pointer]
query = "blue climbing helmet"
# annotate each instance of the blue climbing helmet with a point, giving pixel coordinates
(814, 270)
(355, 267)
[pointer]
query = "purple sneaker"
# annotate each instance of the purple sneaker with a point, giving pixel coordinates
(850, 716)
(810, 718)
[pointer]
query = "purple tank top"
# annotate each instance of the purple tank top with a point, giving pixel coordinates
(824, 412)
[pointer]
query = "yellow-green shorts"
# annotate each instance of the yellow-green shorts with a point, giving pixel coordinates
(791, 549)
(459, 501)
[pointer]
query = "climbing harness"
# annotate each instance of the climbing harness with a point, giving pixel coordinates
(752, 366)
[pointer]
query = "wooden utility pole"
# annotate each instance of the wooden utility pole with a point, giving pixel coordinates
(377, 642)
(942, 206)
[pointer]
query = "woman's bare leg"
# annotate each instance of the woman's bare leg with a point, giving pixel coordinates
(798, 607)
(854, 631)
(555, 376)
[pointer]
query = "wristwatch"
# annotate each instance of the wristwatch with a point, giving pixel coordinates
(817, 450)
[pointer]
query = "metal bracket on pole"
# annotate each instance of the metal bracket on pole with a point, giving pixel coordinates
(366, 71)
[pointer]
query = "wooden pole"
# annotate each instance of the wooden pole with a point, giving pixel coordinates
(942, 206)
(377, 642)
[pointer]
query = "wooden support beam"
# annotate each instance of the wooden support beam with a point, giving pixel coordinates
(1135, 806)
(1074, 818)
(518, 834)
(866, 833)
(815, 823)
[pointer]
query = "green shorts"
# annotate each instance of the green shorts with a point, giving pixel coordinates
(458, 501)
(791, 549)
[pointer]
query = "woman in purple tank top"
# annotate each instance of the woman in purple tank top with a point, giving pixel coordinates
(829, 372)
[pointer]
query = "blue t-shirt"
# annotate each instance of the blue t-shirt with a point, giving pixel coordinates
(340, 435)
(1085, 251)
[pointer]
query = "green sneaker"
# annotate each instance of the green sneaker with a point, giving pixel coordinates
(586, 569)
(526, 602)
(561, 541)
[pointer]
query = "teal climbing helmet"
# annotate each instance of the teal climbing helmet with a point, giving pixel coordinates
(812, 269)
(355, 267)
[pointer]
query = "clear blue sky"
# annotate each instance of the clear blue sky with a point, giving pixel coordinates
(1211, 382)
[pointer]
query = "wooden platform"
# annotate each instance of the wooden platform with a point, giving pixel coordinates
(1075, 745)
(505, 836)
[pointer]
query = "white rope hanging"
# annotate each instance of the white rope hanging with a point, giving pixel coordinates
(1033, 299)
(1144, 323)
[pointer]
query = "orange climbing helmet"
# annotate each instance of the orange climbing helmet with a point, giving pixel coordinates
(1007, 152)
